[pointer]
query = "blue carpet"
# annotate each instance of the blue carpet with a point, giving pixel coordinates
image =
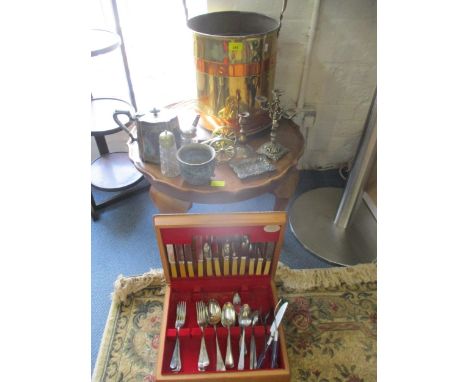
(123, 242)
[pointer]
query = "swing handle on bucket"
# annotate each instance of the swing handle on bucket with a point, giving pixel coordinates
(285, 3)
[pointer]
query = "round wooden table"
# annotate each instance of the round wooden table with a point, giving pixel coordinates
(174, 195)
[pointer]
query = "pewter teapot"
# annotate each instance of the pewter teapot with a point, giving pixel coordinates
(148, 128)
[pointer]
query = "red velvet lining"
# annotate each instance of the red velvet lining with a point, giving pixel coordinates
(254, 290)
(184, 235)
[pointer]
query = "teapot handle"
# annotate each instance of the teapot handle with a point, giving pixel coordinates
(121, 125)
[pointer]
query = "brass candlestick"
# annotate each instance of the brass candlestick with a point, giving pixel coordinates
(242, 120)
(243, 150)
(273, 150)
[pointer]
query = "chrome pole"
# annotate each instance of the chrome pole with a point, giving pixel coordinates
(365, 157)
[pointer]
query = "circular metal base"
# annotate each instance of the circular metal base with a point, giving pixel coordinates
(311, 219)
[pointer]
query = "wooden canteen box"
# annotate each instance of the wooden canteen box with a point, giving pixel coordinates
(191, 277)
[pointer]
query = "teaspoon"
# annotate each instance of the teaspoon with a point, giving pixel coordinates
(244, 320)
(253, 348)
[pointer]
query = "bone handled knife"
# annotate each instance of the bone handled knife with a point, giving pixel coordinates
(252, 253)
(189, 259)
(270, 249)
(260, 254)
(235, 252)
(179, 250)
(244, 250)
(171, 259)
(207, 255)
(234, 261)
(198, 248)
(243, 260)
(216, 255)
(226, 255)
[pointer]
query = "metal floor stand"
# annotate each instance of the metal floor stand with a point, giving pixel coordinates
(337, 225)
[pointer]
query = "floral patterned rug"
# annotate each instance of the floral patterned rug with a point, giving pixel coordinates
(330, 325)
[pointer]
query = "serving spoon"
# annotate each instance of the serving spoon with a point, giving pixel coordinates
(214, 317)
(228, 318)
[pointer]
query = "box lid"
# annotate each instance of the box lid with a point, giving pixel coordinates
(220, 245)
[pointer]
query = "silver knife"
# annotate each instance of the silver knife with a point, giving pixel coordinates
(179, 251)
(244, 249)
(260, 256)
(269, 250)
(273, 336)
(252, 253)
(226, 253)
(235, 266)
(198, 248)
(172, 260)
(215, 252)
(207, 254)
(189, 259)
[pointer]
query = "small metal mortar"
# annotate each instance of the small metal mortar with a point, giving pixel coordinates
(197, 163)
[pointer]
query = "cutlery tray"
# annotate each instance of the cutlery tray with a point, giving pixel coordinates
(192, 279)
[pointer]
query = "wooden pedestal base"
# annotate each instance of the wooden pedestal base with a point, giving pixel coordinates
(167, 204)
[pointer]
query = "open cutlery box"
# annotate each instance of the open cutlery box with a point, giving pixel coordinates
(192, 277)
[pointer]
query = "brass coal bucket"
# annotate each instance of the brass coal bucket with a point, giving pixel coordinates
(235, 59)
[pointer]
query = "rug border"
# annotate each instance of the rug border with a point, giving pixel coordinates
(296, 279)
(105, 341)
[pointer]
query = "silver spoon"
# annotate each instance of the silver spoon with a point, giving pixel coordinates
(228, 318)
(236, 300)
(253, 348)
(244, 320)
(214, 317)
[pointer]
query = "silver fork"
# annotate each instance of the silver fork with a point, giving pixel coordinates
(202, 320)
(176, 363)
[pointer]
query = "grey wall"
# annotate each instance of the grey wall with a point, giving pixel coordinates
(342, 79)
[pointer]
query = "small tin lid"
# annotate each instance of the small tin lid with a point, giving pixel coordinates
(155, 116)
